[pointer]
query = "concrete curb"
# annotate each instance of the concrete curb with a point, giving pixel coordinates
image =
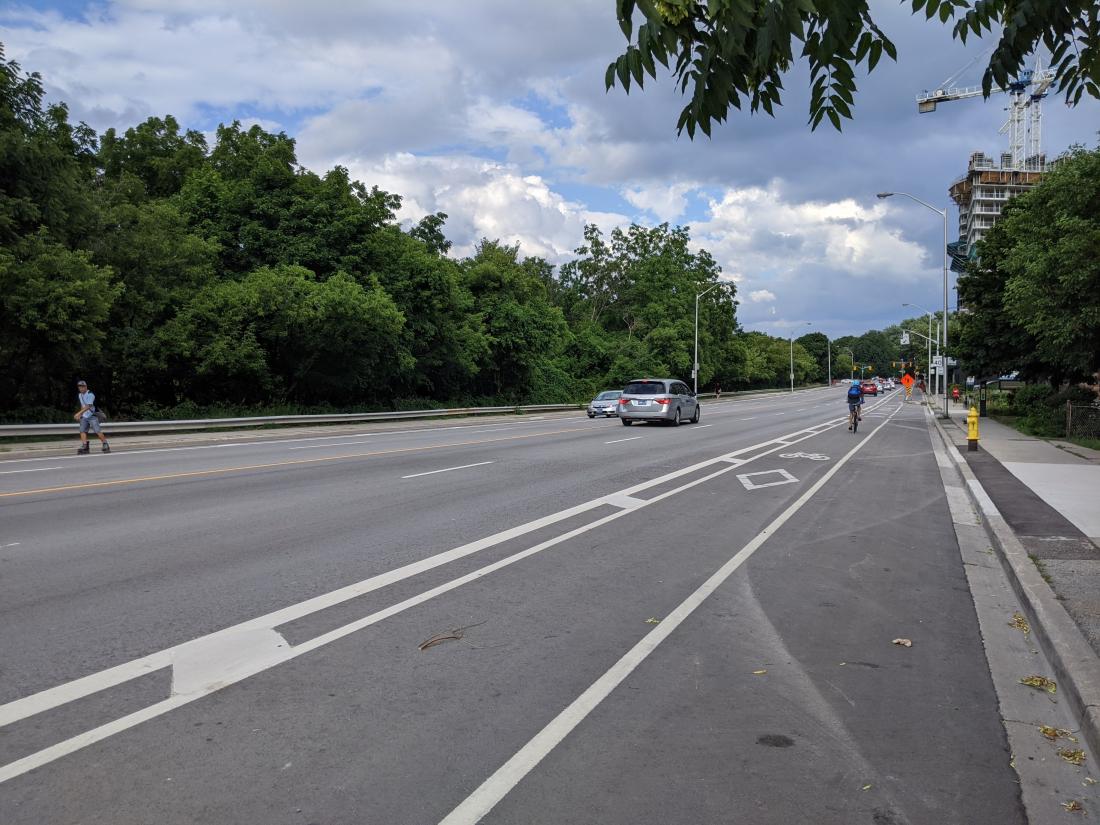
(1076, 666)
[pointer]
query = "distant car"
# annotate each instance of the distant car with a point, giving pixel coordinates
(869, 388)
(605, 404)
(658, 399)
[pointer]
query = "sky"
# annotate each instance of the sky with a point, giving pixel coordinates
(495, 112)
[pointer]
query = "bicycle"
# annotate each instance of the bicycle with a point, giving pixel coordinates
(853, 417)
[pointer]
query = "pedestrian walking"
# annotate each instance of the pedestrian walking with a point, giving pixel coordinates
(717, 391)
(89, 419)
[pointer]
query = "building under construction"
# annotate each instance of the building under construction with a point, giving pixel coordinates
(983, 191)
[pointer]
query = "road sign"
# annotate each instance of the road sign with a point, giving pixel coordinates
(937, 361)
(904, 338)
(907, 380)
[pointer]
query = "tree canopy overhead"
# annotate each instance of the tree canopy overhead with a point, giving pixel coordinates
(731, 53)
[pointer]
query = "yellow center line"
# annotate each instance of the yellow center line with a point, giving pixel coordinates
(195, 473)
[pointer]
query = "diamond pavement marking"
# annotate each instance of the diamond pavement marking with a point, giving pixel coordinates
(747, 479)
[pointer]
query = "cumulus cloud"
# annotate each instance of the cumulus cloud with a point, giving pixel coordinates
(758, 296)
(486, 199)
(666, 202)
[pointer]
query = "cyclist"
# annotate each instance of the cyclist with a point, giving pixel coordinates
(855, 401)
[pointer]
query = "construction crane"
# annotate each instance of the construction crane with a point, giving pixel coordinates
(1024, 124)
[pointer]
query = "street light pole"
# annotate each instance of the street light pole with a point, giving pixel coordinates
(943, 214)
(807, 323)
(829, 361)
(695, 368)
(852, 375)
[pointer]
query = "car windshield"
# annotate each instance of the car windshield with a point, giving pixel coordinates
(608, 396)
(644, 388)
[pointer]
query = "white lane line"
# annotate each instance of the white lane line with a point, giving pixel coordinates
(750, 418)
(507, 776)
(183, 658)
(13, 544)
(701, 426)
(448, 469)
(31, 470)
(621, 440)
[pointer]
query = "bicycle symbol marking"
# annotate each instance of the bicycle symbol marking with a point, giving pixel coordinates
(811, 456)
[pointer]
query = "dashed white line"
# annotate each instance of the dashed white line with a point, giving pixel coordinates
(621, 440)
(13, 544)
(448, 469)
(34, 470)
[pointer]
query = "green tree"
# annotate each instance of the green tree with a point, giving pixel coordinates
(54, 299)
(54, 304)
(1053, 265)
(442, 331)
(153, 152)
(160, 264)
(736, 52)
(280, 334)
(525, 333)
(641, 283)
(262, 209)
(816, 345)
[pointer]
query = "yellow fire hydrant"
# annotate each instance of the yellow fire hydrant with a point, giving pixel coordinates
(972, 430)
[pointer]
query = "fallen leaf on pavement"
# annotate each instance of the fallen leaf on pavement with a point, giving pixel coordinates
(759, 672)
(865, 788)
(1089, 781)
(1074, 757)
(903, 642)
(652, 620)
(1019, 621)
(1072, 805)
(1052, 733)
(1040, 682)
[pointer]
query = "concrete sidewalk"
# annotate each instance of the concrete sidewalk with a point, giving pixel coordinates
(1050, 497)
(1064, 475)
(1040, 502)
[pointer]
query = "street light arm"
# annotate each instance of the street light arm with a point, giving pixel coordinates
(921, 334)
(708, 289)
(941, 212)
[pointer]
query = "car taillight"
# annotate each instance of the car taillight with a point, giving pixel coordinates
(660, 400)
(624, 401)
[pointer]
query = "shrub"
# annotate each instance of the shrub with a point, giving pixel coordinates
(1026, 399)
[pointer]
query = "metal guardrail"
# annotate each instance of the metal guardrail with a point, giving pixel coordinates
(23, 430)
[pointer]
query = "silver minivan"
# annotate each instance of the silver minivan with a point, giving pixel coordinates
(658, 399)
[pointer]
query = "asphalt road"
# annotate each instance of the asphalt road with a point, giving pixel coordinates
(543, 620)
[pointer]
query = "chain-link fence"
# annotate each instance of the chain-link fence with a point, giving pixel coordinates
(1082, 421)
